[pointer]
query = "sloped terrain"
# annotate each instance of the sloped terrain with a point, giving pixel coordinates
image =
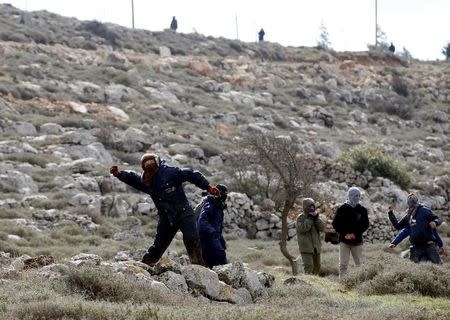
(79, 96)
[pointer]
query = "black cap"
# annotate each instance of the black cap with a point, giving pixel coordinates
(222, 188)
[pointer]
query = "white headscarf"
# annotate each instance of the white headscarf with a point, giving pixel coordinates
(353, 196)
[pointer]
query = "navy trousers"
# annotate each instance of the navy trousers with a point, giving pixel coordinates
(165, 232)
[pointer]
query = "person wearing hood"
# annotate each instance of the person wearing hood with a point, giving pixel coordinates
(164, 184)
(309, 227)
(421, 222)
(350, 221)
(210, 225)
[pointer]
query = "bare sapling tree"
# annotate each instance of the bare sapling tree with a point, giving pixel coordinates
(284, 172)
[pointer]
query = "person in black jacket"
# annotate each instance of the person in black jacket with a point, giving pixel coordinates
(174, 24)
(421, 221)
(350, 221)
(210, 225)
(261, 34)
(164, 184)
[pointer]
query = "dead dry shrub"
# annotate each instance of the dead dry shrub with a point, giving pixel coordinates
(393, 275)
(400, 106)
(399, 85)
(103, 284)
(70, 309)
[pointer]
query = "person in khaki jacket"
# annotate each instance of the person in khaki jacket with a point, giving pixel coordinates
(309, 227)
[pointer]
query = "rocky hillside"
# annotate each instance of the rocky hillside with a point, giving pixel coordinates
(79, 96)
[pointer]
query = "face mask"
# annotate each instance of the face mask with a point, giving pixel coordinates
(311, 208)
(412, 201)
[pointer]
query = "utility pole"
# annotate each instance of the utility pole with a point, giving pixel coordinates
(237, 28)
(376, 23)
(132, 13)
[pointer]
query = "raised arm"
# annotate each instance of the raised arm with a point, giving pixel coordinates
(132, 179)
(193, 176)
(403, 223)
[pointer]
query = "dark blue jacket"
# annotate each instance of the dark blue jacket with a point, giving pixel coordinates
(405, 232)
(421, 232)
(210, 223)
(210, 220)
(166, 189)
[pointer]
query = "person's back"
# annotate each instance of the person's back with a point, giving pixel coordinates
(210, 225)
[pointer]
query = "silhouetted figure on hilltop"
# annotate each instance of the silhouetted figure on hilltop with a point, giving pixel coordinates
(392, 48)
(25, 18)
(447, 52)
(261, 34)
(174, 24)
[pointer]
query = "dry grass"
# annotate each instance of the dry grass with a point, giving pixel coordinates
(97, 293)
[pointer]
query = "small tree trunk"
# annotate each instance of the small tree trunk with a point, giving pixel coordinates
(284, 236)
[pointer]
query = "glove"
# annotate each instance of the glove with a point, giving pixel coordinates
(214, 191)
(114, 171)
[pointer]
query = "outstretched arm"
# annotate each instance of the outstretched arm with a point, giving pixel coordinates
(404, 233)
(131, 178)
(193, 176)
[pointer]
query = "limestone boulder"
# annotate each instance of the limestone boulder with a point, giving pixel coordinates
(202, 280)
(173, 281)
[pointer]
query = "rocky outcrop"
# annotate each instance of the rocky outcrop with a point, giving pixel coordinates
(237, 284)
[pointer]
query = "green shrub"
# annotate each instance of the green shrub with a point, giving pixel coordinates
(375, 159)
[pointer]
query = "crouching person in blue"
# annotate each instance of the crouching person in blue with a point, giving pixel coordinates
(421, 222)
(210, 223)
(164, 184)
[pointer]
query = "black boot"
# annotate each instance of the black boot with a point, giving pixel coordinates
(195, 255)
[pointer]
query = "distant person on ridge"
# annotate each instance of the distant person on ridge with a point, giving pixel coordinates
(164, 184)
(174, 24)
(392, 48)
(261, 34)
